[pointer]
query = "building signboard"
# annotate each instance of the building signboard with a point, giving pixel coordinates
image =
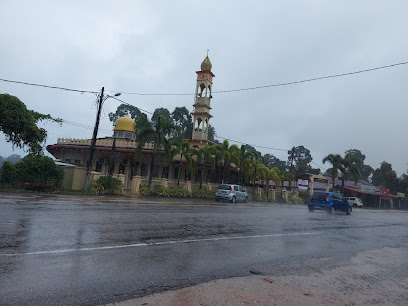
(303, 184)
(368, 189)
(385, 191)
(400, 195)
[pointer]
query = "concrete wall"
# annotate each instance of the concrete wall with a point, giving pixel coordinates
(74, 178)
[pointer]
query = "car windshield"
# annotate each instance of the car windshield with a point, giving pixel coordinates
(225, 187)
(320, 196)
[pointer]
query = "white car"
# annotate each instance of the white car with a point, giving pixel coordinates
(354, 201)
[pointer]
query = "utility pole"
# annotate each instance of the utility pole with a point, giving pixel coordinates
(292, 157)
(112, 159)
(93, 142)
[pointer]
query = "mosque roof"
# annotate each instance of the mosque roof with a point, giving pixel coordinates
(206, 64)
(125, 124)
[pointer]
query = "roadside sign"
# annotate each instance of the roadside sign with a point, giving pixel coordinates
(385, 191)
(368, 189)
(400, 195)
(303, 184)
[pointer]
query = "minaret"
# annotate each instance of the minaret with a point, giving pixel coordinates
(202, 103)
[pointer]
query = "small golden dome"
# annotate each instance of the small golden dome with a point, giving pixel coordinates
(206, 64)
(125, 124)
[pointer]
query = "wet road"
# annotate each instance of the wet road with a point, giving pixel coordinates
(79, 250)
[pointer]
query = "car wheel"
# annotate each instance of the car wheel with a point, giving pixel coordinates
(331, 210)
(311, 209)
(217, 200)
(348, 212)
(354, 205)
(234, 200)
(246, 200)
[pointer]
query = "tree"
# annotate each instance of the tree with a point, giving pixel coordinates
(403, 183)
(8, 173)
(256, 169)
(182, 118)
(20, 124)
(301, 158)
(385, 176)
(39, 172)
(348, 168)
(335, 161)
(14, 158)
(203, 156)
(271, 161)
(365, 170)
(123, 110)
(223, 153)
(158, 130)
(162, 112)
(267, 175)
(282, 177)
(169, 153)
(183, 148)
(242, 159)
(211, 133)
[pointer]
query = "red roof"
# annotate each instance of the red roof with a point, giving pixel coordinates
(86, 148)
(377, 192)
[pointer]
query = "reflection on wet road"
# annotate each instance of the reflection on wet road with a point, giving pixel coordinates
(94, 252)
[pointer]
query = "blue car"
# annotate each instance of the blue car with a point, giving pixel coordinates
(329, 201)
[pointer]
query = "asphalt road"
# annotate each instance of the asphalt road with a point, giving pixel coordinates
(80, 250)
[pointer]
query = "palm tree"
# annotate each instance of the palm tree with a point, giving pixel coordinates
(347, 167)
(196, 158)
(335, 161)
(183, 147)
(242, 158)
(208, 158)
(169, 153)
(272, 175)
(265, 174)
(281, 177)
(159, 131)
(223, 154)
(256, 170)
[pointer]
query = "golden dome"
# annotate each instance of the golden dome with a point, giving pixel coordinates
(206, 64)
(125, 124)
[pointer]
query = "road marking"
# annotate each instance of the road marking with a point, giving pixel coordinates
(156, 243)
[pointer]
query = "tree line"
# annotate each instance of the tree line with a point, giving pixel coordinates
(168, 131)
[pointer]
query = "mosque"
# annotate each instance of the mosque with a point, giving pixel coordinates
(75, 152)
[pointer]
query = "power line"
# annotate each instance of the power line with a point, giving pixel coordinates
(48, 86)
(318, 166)
(220, 91)
(131, 105)
(314, 79)
(256, 146)
(270, 85)
(85, 126)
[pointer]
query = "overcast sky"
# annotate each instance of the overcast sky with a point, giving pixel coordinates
(156, 47)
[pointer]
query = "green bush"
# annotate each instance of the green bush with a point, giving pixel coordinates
(33, 172)
(162, 191)
(203, 194)
(296, 200)
(173, 192)
(305, 196)
(8, 173)
(107, 185)
(179, 192)
(144, 190)
(257, 197)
